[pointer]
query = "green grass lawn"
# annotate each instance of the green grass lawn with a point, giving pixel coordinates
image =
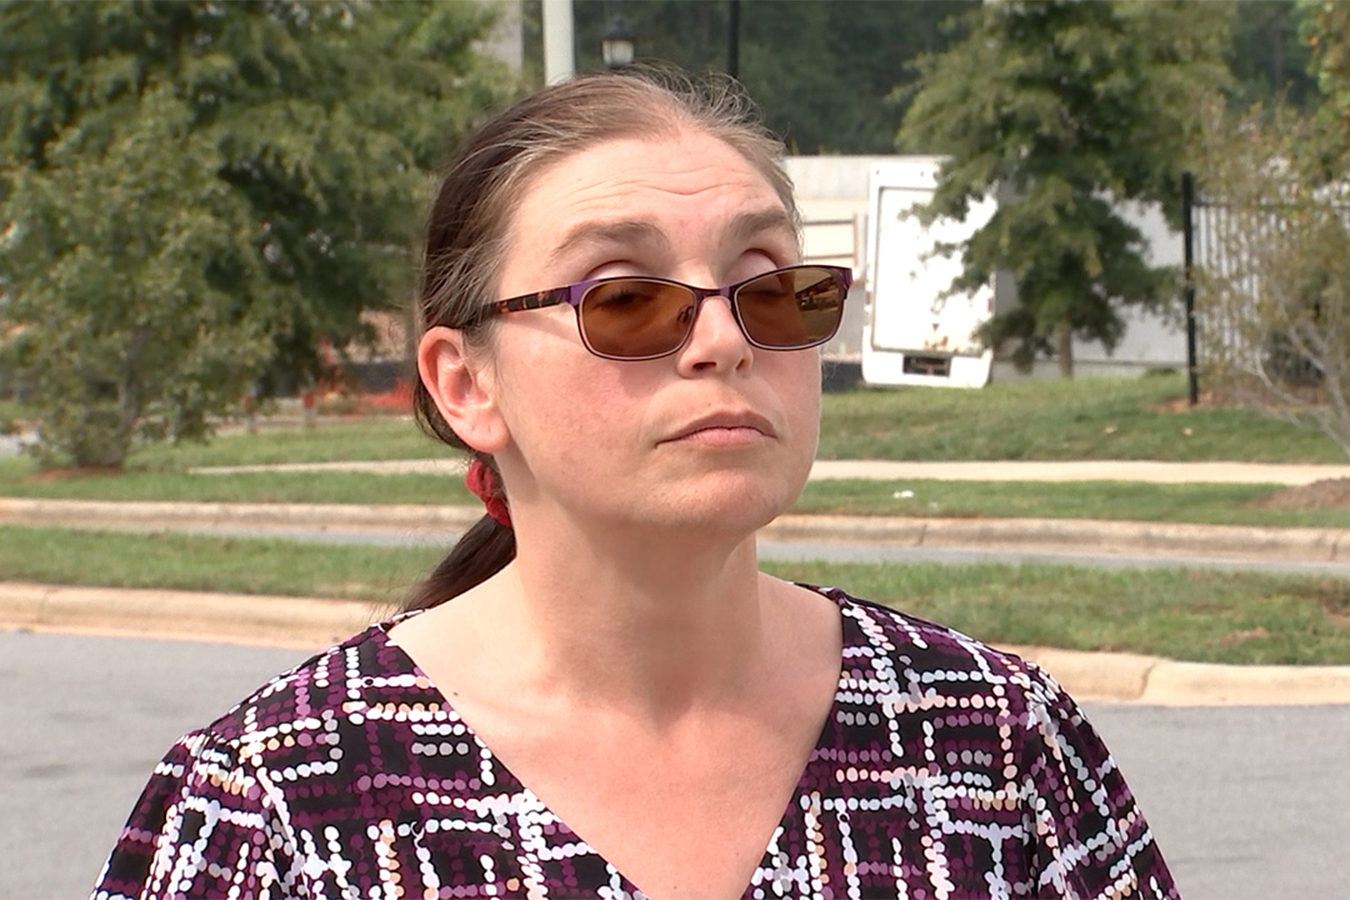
(1191, 614)
(331, 440)
(1181, 614)
(1087, 418)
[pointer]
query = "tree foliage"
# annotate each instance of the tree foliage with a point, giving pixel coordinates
(1063, 110)
(1326, 29)
(1270, 57)
(192, 193)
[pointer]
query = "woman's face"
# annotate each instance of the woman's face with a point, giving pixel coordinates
(718, 435)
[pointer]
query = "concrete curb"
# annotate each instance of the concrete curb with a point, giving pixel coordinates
(1105, 536)
(312, 624)
(1177, 541)
(142, 516)
(370, 467)
(299, 622)
(1154, 681)
(1153, 471)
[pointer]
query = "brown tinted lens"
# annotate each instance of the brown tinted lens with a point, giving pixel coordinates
(633, 318)
(793, 308)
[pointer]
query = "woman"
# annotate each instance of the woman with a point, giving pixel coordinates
(618, 702)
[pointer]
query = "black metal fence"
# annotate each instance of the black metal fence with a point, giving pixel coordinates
(1224, 243)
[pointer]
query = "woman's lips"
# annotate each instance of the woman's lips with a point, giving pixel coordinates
(725, 430)
(718, 436)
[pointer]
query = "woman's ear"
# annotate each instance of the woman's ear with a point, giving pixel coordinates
(462, 388)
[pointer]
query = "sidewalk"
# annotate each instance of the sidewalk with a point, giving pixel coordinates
(880, 470)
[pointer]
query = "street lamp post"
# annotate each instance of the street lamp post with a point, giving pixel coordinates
(618, 44)
(734, 38)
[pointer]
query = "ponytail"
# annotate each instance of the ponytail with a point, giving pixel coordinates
(483, 551)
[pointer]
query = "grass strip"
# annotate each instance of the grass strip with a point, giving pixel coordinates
(330, 440)
(206, 563)
(1207, 616)
(1203, 504)
(1086, 418)
(1189, 614)
(20, 478)
(1209, 504)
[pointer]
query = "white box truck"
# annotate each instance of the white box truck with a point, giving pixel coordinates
(912, 335)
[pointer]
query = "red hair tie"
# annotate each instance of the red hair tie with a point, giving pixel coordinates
(487, 486)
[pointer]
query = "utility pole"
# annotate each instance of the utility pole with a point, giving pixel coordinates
(559, 59)
(734, 38)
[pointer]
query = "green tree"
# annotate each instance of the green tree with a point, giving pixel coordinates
(127, 267)
(1269, 57)
(192, 194)
(1064, 109)
(1326, 30)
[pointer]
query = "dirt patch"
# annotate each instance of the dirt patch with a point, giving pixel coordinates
(1329, 493)
(1232, 639)
(1331, 595)
(47, 476)
(1182, 404)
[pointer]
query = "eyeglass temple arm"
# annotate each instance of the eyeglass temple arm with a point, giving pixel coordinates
(538, 300)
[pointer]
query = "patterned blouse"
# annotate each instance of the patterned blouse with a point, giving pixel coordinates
(945, 769)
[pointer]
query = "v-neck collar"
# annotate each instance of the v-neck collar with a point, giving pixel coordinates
(506, 781)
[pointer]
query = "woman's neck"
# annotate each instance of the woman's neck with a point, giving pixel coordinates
(681, 622)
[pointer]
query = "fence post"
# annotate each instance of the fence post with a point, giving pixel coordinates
(1188, 291)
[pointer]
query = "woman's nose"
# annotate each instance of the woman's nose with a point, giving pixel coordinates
(716, 339)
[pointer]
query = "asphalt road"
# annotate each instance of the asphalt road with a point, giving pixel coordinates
(1245, 801)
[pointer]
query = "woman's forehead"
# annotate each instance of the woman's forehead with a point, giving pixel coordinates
(620, 190)
(745, 226)
(684, 161)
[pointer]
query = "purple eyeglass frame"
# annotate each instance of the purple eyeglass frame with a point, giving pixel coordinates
(574, 294)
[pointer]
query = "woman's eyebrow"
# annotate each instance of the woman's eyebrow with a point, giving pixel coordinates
(638, 232)
(625, 231)
(752, 224)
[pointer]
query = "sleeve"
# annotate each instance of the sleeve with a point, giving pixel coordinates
(205, 826)
(1089, 837)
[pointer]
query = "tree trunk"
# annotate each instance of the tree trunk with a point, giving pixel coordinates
(1064, 348)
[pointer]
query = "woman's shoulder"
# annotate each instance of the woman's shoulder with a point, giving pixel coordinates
(257, 783)
(917, 654)
(979, 742)
(366, 671)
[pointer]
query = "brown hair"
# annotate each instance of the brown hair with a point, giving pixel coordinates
(470, 216)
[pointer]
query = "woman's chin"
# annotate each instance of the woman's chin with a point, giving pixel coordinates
(731, 508)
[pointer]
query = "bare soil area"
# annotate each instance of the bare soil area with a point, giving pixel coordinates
(1329, 493)
(47, 476)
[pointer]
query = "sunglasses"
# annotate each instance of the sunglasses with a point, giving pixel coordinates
(636, 318)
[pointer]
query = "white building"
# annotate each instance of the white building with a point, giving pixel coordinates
(833, 193)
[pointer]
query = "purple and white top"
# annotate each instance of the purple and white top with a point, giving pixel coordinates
(945, 769)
